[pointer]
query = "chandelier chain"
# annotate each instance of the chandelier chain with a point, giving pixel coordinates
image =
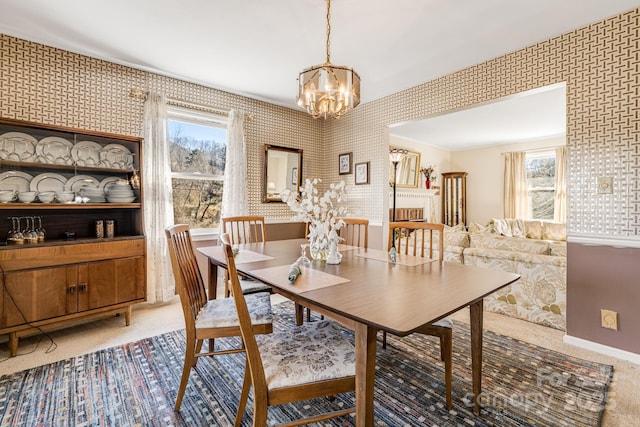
(328, 31)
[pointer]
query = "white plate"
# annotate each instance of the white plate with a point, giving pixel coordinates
(17, 146)
(120, 199)
(109, 181)
(116, 156)
(48, 182)
(86, 153)
(54, 150)
(14, 180)
(75, 183)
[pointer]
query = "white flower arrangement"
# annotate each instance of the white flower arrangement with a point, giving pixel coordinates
(322, 213)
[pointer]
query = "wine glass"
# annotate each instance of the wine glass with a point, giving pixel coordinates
(40, 230)
(303, 261)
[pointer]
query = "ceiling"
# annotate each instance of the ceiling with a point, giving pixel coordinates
(533, 115)
(256, 48)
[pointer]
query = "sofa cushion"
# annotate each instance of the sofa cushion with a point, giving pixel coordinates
(555, 231)
(533, 229)
(492, 241)
(508, 227)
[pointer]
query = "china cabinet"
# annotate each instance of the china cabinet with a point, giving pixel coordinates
(58, 188)
(454, 198)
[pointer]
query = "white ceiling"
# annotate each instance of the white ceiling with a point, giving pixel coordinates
(257, 48)
(537, 114)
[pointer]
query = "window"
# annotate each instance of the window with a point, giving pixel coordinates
(197, 149)
(541, 172)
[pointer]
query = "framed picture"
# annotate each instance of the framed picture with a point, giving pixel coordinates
(294, 176)
(344, 164)
(362, 173)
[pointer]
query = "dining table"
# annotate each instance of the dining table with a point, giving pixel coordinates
(367, 292)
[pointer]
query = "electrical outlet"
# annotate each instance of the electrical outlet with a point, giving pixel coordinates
(605, 185)
(609, 319)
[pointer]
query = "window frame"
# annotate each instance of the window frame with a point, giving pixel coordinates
(177, 113)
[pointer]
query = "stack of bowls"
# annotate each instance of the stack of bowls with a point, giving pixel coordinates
(94, 193)
(121, 192)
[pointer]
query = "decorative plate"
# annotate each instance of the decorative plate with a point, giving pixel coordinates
(14, 180)
(116, 156)
(75, 183)
(54, 150)
(17, 146)
(48, 182)
(86, 153)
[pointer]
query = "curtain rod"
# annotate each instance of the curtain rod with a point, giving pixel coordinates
(534, 150)
(139, 93)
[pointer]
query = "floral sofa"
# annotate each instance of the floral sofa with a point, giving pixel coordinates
(536, 250)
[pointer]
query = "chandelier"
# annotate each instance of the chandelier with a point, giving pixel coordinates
(327, 89)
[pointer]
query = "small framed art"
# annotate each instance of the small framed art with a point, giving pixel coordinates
(362, 173)
(344, 164)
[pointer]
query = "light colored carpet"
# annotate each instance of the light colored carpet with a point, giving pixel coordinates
(622, 407)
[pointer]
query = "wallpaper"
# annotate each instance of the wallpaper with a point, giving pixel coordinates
(47, 85)
(599, 63)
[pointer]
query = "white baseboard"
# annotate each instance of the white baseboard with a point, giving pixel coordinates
(603, 349)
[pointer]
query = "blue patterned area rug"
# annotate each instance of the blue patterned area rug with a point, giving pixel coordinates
(136, 385)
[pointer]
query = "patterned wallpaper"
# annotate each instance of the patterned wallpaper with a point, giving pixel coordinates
(599, 63)
(47, 85)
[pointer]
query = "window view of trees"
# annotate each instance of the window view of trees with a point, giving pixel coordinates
(541, 172)
(197, 155)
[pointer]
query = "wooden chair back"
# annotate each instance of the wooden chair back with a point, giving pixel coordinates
(254, 361)
(355, 232)
(245, 229)
(191, 288)
(422, 235)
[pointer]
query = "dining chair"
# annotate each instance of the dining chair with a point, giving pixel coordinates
(355, 232)
(411, 238)
(309, 361)
(203, 318)
(245, 229)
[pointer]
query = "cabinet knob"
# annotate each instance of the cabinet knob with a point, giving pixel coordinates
(71, 289)
(83, 287)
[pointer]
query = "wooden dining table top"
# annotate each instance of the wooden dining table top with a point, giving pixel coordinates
(388, 296)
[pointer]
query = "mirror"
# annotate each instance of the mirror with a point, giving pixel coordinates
(408, 170)
(282, 171)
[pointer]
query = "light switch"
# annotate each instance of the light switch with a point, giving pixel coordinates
(605, 185)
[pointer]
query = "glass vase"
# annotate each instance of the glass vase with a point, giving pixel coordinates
(319, 249)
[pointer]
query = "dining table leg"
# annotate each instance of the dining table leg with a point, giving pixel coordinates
(365, 373)
(476, 352)
(212, 293)
(213, 281)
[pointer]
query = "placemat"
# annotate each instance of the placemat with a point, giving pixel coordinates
(246, 255)
(402, 259)
(309, 280)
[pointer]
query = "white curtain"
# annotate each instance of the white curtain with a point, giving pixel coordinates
(515, 186)
(235, 197)
(158, 199)
(560, 198)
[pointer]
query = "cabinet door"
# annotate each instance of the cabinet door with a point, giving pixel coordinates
(34, 295)
(110, 282)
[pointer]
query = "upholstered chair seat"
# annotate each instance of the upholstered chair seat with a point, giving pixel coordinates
(316, 352)
(221, 313)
